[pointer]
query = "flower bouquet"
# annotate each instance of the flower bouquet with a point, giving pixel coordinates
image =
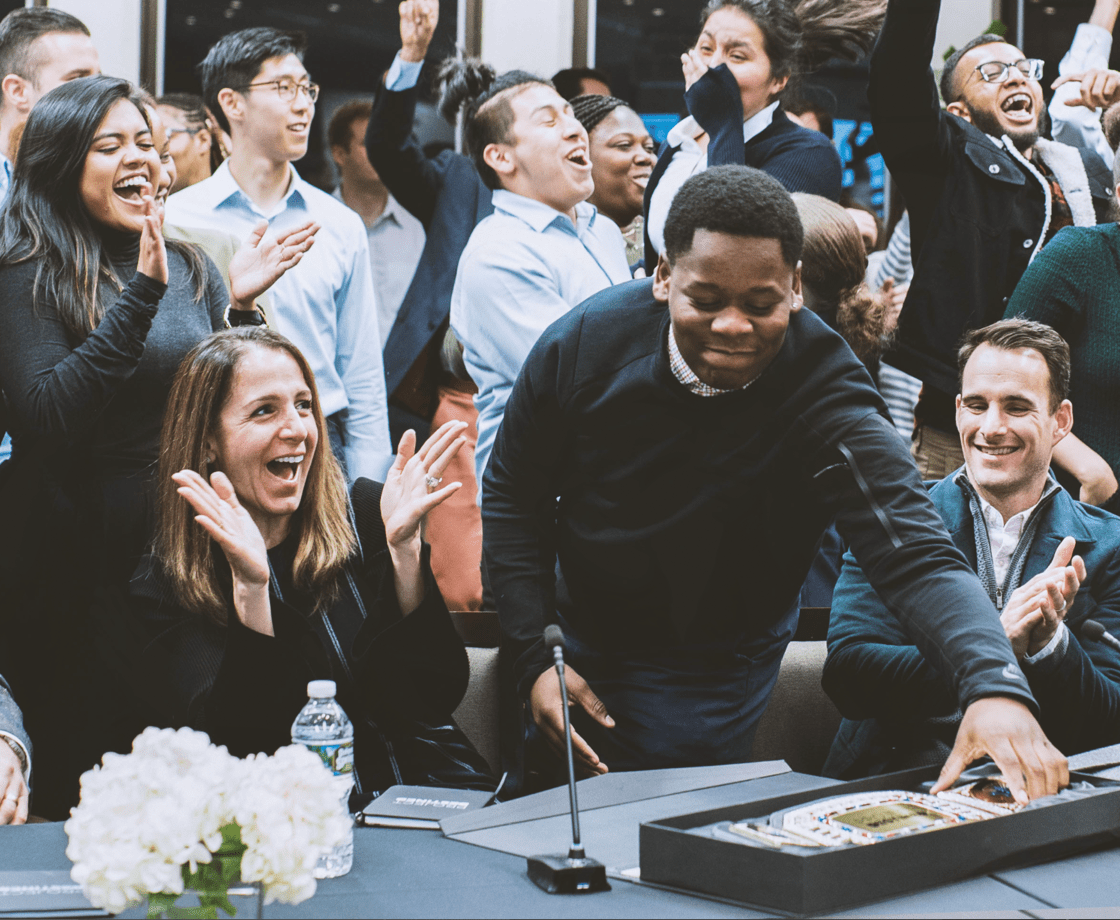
(180, 814)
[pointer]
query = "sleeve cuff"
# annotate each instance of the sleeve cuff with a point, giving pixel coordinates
(1090, 50)
(404, 75)
(21, 752)
(1054, 650)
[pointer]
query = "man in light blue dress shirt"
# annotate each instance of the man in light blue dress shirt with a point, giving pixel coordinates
(40, 49)
(543, 250)
(255, 83)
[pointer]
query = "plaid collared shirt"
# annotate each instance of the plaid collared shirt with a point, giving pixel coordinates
(685, 375)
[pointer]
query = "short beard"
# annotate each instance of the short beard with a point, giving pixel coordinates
(1023, 140)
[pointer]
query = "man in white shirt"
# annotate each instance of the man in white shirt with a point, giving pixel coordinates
(396, 238)
(40, 49)
(256, 85)
(1045, 560)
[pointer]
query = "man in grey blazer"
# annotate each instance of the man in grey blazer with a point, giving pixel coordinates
(15, 760)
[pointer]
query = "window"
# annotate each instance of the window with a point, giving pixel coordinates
(350, 44)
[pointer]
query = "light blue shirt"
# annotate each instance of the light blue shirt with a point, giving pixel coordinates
(396, 242)
(524, 267)
(325, 304)
(1077, 125)
(403, 75)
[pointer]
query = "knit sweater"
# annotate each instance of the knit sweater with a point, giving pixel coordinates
(686, 523)
(1074, 286)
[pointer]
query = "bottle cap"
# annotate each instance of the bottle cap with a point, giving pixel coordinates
(321, 689)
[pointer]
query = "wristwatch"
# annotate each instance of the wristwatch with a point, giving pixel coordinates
(254, 317)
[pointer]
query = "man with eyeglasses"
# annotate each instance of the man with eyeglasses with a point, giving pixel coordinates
(256, 85)
(985, 192)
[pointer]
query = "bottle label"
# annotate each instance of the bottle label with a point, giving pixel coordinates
(338, 758)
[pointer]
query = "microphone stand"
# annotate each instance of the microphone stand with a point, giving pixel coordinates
(575, 873)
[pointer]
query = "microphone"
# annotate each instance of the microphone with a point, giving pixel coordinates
(1091, 629)
(574, 873)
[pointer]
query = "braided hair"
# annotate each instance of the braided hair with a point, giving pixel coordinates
(590, 110)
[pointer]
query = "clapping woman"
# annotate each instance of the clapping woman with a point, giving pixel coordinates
(98, 311)
(266, 574)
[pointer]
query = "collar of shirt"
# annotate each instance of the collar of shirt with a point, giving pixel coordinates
(687, 376)
(390, 213)
(541, 216)
(684, 133)
(225, 192)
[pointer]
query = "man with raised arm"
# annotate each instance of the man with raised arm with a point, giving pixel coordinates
(985, 192)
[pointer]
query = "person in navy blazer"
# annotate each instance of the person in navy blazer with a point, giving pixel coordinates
(444, 192)
(744, 59)
(1049, 563)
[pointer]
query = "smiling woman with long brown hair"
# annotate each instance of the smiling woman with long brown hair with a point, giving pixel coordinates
(264, 576)
(98, 312)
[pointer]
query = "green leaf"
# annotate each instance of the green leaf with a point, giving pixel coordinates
(160, 904)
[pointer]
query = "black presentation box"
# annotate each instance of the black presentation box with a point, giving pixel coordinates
(834, 879)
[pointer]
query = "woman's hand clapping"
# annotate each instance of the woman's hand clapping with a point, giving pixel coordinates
(407, 497)
(153, 252)
(412, 489)
(222, 516)
(261, 261)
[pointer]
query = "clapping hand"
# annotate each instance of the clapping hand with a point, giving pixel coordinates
(412, 486)
(419, 19)
(153, 251)
(261, 261)
(221, 515)
(14, 793)
(1036, 609)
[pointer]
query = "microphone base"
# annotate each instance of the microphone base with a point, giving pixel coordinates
(565, 875)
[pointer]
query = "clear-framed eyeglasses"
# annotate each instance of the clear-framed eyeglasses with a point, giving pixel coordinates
(287, 89)
(998, 71)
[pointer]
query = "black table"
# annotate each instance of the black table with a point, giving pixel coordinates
(406, 873)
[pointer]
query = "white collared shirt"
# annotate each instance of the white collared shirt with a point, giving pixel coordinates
(689, 160)
(1004, 537)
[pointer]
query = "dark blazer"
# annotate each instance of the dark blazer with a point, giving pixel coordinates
(885, 687)
(976, 213)
(447, 196)
(801, 159)
(399, 678)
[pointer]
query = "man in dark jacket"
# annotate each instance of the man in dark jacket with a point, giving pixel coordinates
(678, 446)
(985, 192)
(447, 196)
(1019, 530)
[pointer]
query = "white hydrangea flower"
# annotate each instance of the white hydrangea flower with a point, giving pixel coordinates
(142, 816)
(290, 812)
(145, 815)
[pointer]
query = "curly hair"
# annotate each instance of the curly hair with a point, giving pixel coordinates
(833, 266)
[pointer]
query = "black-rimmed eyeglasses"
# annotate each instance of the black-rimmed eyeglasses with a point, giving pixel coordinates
(998, 71)
(287, 89)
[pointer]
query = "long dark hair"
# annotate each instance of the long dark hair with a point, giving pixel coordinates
(44, 218)
(800, 35)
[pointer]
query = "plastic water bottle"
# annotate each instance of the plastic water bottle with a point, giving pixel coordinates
(322, 727)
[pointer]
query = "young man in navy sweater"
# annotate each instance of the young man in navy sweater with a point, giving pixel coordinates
(678, 445)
